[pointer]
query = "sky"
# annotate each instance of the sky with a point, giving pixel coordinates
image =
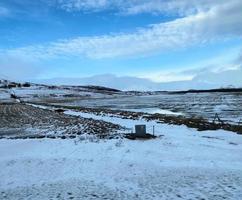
(161, 40)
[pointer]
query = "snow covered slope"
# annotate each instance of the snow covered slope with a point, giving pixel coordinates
(181, 163)
(31, 92)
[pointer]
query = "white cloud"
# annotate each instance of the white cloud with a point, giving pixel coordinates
(4, 12)
(77, 5)
(203, 80)
(14, 68)
(228, 60)
(219, 22)
(222, 78)
(239, 60)
(168, 76)
(181, 7)
(131, 7)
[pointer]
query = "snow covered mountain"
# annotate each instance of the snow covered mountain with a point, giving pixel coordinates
(201, 81)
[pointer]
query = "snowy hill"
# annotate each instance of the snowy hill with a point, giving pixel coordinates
(181, 162)
(67, 159)
(201, 81)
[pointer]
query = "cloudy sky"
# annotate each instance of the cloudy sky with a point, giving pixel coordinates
(162, 40)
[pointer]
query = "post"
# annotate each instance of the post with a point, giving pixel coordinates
(153, 130)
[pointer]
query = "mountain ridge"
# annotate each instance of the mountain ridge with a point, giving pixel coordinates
(128, 83)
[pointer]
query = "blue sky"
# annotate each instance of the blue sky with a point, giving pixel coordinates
(162, 40)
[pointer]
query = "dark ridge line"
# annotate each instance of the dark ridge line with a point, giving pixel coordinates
(207, 91)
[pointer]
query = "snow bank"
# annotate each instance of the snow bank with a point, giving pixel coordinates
(181, 163)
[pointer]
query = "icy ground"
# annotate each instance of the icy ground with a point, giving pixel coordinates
(180, 164)
(205, 105)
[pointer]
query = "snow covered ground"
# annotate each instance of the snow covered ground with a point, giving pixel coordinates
(68, 93)
(181, 163)
(205, 105)
(154, 111)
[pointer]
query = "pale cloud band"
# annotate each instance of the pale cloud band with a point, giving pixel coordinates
(4, 12)
(219, 22)
(131, 7)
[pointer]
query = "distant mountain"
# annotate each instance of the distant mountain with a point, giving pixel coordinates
(126, 83)
(202, 81)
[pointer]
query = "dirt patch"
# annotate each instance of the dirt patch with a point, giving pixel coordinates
(19, 120)
(200, 123)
